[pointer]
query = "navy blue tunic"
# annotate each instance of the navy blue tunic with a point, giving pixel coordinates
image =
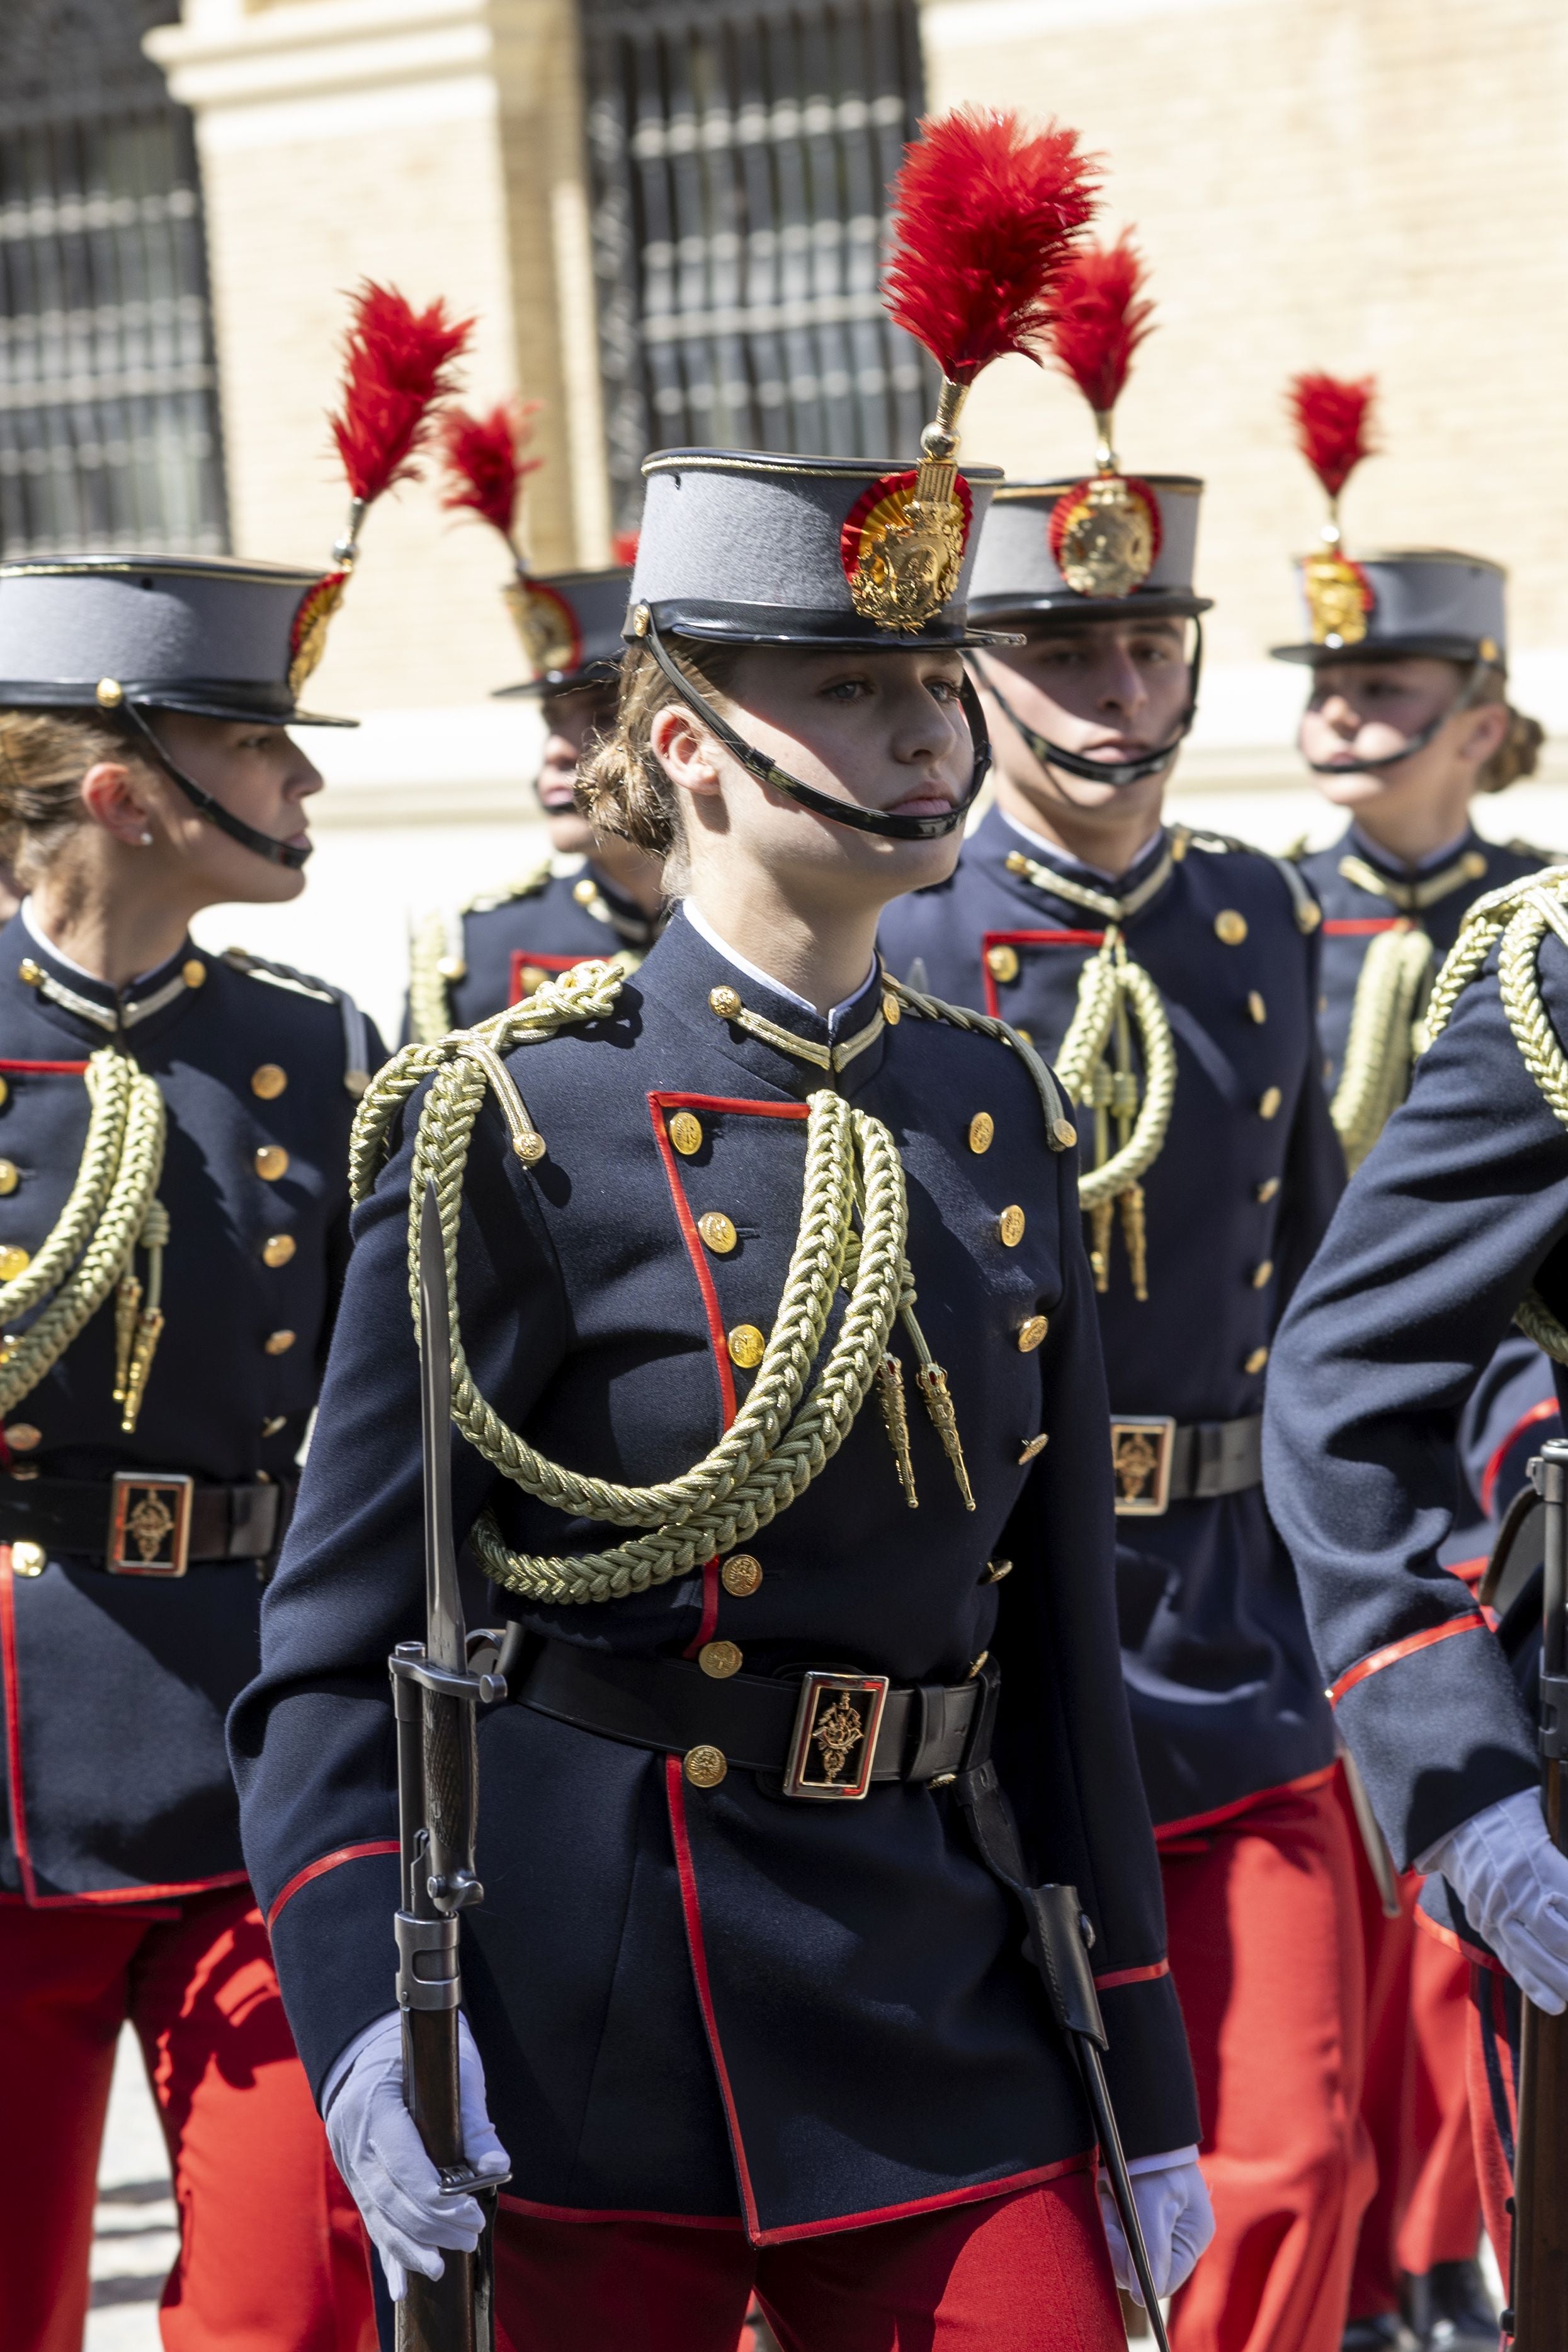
(116, 1687)
(560, 915)
(1225, 1696)
(720, 2003)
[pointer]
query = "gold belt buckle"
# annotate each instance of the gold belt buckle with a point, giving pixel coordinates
(834, 1744)
(1142, 1452)
(148, 1522)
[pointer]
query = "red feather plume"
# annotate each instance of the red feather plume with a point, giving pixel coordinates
(624, 547)
(1102, 316)
(985, 214)
(397, 364)
(1333, 424)
(485, 464)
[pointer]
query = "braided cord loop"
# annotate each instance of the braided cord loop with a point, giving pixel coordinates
(95, 1237)
(429, 1012)
(1394, 971)
(1109, 978)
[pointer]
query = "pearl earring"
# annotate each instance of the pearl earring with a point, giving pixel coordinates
(146, 840)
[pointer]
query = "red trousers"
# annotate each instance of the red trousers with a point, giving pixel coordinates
(1025, 2272)
(272, 2256)
(1266, 1951)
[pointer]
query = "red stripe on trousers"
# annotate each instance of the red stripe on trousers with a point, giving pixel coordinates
(1009, 2273)
(272, 2253)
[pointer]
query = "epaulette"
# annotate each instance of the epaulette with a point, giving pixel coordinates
(356, 1036)
(438, 951)
(526, 886)
(1307, 912)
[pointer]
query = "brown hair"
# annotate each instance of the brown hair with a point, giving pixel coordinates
(622, 787)
(1519, 753)
(44, 755)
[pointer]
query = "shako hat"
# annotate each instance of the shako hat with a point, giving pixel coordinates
(1419, 600)
(757, 548)
(1109, 545)
(213, 637)
(571, 623)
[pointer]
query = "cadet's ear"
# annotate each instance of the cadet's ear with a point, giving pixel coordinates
(684, 750)
(1485, 733)
(113, 795)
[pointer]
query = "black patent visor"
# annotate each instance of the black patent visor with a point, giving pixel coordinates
(885, 822)
(277, 852)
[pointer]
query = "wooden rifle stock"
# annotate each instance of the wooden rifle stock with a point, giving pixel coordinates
(1539, 2318)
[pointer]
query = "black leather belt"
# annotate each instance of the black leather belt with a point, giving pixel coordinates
(828, 1736)
(1159, 1461)
(142, 1522)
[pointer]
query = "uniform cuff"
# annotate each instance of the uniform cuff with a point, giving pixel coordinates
(1148, 2071)
(336, 1954)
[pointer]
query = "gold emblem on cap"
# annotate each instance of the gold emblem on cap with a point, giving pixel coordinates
(1229, 928)
(269, 1080)
(1104, 540)
(704, 1766)
(1002, 961)
(717, 1231)
(308, 635)
(27, 1559)
(725, 1002)
(108, 694)
(1031, 1333)
(904, 538)
(982, 1128)
(194, 972)
(741, 1575)
(271, 1162)
(277, 1249)
(720, 1659)
(1010, 1227)
(685, 1132)
(1338, 598)
(13, 1262)
(546, 625)
(10, 1175)
(746, 1346)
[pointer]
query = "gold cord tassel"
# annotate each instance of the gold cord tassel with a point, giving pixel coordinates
(931, 1382)
(1101, 1218)
(1135, 1233)
(896, 1422)
(149, 1324)
(127, 1305)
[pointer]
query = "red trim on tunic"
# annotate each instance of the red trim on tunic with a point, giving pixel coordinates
(989, 939)
(65, 1069)
(535, 2212)
(1472, 1621)
(520, 956)
(1114, 1976)
(1446, 1935)
(1238, 1805)
(1363, 927)
(1544, 1409)
(327, 1861)
(692, 1906)
(977, 2192)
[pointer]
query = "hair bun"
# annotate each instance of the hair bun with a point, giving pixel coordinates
(1519, 753)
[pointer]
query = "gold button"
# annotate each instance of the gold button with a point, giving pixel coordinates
(269, 1080)
(717, 1231)
(5, 1092)
(1031, 1333)
(720, 1659)
(1002, 962)
(194, 972)
(1257, 1361)
(278, 1249)
(13, 1262)
(531, 977)
(273, 1423)
(1474, 866)
(1034, 1445)
(271, 1162)
(585, 891)
(1028, 1037)
(892, 1011)
(725, 1002)
(1266, 1189)
(1269, 1102)
(995, 1569)
(741, 1575)
(1063, 1133)
(30, 971)
(704, 1766)
(1256, 1007)
(10, 1175)
(976, 1666)
(23, 1438)
(1261, 1273)
(746, 1346)
(278, 1343)
(982, 1128)
(108, 694)
(452, 967)
(1010, 1227)
(1229, 928)
(685, 1132)
(27, 1559)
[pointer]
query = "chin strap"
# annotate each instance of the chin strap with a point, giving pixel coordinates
(1413, 743)
(862, 820)
(277, 852)
(1109, 771)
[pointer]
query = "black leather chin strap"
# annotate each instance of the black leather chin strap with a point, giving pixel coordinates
(277, 852)
(1413, 744)
(1109, 771)
(756, 764)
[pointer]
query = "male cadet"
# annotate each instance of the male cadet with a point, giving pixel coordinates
(1406, 722)
(594, 895)
(1172, 975)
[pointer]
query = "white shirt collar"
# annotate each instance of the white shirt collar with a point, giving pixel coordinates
(1057, 855)
(40, 938)
(705, 931)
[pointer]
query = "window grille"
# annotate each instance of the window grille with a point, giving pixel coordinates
(108, 424)
(740, 158)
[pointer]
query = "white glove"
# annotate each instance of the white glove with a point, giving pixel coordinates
(376, 2146)
(1177, 2221)
(1514, 1883)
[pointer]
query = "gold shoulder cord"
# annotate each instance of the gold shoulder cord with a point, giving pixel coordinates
(1518, 915)
(435, 959)
(783, 1436)
(112, 1209)
(1385, 1035)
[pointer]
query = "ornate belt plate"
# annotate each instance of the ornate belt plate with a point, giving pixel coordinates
(148, 1523)
(833, 1745)
(1143, 1448)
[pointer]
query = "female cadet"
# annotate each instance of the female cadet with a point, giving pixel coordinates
(173, 1227)
(725, 2019)
(596, 894)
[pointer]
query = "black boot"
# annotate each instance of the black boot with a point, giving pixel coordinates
(1381, 2333)
(1449, 2309)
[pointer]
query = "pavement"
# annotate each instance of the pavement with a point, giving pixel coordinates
(135, 2238)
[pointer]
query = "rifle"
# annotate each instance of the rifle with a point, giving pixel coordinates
(1538, 2320)
(435, 1698)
